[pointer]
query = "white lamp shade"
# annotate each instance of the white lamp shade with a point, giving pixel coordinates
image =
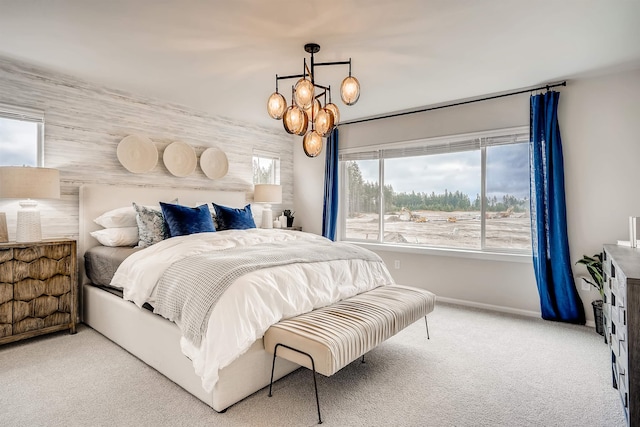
(22, 182)
(267, 193)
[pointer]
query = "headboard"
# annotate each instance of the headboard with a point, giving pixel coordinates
(96, 199)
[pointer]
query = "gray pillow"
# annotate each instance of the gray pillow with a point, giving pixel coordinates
(151, 226)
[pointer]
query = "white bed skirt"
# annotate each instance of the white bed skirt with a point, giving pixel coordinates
(156, 341)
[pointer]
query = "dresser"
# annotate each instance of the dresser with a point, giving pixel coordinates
(621, 266)
(38, 288)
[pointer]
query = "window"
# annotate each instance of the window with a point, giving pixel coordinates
(464, 192)
(266, 168)
(21, 136)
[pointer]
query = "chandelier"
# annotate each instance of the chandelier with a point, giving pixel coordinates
(307, 115)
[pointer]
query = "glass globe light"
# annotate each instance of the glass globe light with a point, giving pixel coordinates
(336, 113)
(295, 120)
(324, 122)
(276, 105)
(304, 93)
(350, 90)
(312, 143)
(316, 108)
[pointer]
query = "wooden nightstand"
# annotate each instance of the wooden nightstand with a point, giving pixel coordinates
(38, 288)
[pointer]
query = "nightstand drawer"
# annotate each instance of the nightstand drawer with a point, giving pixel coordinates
(38, 288)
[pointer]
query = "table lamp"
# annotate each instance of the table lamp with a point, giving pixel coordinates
(267, 194)
(28, 183)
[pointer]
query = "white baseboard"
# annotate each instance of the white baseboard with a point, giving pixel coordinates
(499, 308)
(491, 307)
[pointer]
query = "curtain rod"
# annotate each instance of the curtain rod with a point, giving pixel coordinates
(455, 104)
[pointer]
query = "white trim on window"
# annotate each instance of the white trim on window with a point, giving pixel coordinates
(522, 257)
(442, 144)
(438, 145)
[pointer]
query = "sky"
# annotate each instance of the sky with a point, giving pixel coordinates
(13, 150)
(507, 172)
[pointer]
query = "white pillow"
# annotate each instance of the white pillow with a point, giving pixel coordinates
(118, 218)
(123, 236)
(122, 217)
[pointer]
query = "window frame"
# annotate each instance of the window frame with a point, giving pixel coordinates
(433, 146)
(25, 114)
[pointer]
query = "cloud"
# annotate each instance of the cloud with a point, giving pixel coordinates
(18, 143)
(507, 172)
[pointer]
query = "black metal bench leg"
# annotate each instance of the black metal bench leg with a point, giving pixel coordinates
(273, 367)
(427, 325)
(313, 369)
(315, 385)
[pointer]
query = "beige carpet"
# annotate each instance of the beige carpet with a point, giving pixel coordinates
(479, 368)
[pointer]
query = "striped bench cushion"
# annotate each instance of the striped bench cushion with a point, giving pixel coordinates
(340, 333)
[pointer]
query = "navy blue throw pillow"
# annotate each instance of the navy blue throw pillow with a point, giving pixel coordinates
(183, 220)
(234, 219)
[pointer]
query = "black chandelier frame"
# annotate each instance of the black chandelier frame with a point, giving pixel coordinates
(313, 48)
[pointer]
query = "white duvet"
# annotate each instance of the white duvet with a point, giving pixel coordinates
(253, 302)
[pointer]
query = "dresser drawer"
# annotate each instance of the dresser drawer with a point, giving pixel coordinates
(622, 295)
(615, 345)
(615, 315)
(623, 387)
(613, 284)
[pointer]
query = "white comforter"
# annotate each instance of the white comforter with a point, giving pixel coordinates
(253, 302)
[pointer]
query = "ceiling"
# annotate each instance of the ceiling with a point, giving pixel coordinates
(222, 56)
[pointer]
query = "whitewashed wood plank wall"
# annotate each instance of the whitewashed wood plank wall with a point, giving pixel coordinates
(85, 122)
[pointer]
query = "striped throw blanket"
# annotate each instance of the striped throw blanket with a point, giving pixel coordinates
(190, 288)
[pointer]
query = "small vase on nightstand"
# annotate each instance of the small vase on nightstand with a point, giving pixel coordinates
(289, 215)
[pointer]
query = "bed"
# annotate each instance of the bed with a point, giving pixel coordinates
(154, 339)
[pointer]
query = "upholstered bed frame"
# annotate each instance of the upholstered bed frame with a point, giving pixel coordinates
(151, 338)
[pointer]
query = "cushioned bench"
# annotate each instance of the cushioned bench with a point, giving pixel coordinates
(327, 339)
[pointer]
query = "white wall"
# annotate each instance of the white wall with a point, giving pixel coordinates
(600, 126)
(308, 191)
(84, 124)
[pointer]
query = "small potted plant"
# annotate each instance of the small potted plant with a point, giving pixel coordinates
(289, 214)
(594, 268)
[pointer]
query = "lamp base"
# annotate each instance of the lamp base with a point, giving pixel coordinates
(267, 217)
(4, 231)
(29, 229)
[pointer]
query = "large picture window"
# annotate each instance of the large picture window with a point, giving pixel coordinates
(464, 192)
(21, 136)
